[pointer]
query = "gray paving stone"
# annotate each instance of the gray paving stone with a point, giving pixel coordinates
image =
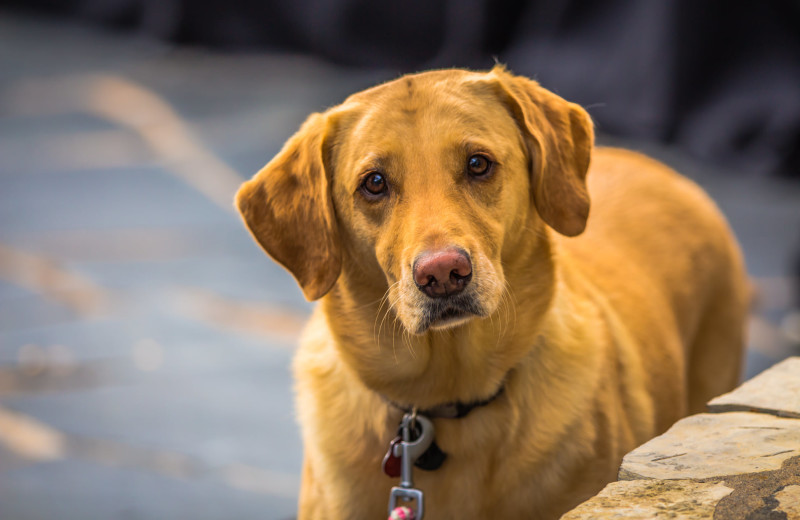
(775, 391)
(26, 312)
(86, 490)
(141, 197)
(220, 403)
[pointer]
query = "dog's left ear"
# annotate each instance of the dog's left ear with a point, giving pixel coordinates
(560, 137)
(289, 210)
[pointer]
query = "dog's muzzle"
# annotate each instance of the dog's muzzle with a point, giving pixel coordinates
(443, 312)
(444, 277)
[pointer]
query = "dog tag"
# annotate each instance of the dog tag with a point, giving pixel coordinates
(391, 464)
(432, 459)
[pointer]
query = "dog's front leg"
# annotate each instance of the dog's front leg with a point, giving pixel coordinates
(310, 501)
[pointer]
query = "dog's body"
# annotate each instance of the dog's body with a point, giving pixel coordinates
(600, 338)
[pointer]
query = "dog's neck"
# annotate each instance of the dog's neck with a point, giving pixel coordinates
(463, 364)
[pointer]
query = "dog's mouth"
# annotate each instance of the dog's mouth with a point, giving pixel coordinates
(450, 312)
(420, 311)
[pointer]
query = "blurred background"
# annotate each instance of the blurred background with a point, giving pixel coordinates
(145, 340)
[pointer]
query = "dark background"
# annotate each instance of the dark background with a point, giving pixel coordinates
(718, 79)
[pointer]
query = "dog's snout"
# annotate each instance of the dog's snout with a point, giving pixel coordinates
(442, 273)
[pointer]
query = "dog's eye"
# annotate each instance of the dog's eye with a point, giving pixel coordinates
(374, 185)
(478, 165)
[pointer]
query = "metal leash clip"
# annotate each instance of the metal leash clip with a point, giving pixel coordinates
(412, 446)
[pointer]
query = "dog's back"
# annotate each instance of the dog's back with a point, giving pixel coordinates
(662, 234)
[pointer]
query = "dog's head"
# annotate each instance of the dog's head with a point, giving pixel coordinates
(423, 186)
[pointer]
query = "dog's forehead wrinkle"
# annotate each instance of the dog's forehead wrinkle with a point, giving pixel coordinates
(436, 107)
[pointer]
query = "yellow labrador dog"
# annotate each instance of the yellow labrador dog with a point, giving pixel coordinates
(444, 220)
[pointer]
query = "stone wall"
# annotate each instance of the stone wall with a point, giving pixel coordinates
(740, 461)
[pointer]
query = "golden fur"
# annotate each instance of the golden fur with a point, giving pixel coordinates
(603, 336)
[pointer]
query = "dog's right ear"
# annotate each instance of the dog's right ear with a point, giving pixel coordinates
(287, 207)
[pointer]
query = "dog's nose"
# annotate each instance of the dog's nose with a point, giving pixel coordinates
(442, 273)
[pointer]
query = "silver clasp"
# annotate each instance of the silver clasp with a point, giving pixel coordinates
(409, 451)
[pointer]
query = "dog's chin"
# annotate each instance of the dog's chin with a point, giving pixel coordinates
(447, 313)
(452, 318)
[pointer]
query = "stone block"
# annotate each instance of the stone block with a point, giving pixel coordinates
(775, 391)
(789, 501)
(646, 499)
(715, 445)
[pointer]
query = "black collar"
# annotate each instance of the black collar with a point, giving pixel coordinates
(452, 410)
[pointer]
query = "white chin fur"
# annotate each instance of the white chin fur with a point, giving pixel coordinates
(449, 323)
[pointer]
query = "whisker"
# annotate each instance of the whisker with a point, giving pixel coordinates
(386, 298)
(375, 325)
(383, 321)
(373, 302)
(503, 308)
(407, 341)
(508, 291)
(394, 335)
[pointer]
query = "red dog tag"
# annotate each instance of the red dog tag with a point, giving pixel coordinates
(391, 464)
